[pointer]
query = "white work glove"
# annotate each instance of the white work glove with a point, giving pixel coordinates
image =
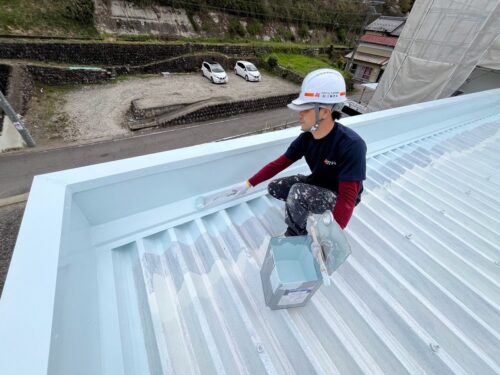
(241, 188)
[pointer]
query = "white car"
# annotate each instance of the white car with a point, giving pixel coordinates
(247, 70)
(214, 72)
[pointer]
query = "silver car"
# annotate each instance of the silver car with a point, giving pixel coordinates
(247, 70)
(214, 72)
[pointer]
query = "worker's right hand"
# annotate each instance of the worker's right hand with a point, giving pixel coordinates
(241, 188)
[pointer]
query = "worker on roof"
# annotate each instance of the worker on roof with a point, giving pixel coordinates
(335, 154)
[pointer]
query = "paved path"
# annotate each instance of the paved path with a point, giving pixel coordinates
(17, 169)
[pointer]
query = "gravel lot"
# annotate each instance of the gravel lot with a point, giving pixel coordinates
(100, 111)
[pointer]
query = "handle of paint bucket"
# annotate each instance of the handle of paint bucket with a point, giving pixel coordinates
(318, 253)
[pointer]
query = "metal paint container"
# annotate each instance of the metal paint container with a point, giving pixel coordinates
(290, 274)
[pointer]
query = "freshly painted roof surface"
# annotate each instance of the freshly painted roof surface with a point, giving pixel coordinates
(420, 293)
(121, 273)
(378, 39)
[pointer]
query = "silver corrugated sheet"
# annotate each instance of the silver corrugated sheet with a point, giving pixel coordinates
(419, 295)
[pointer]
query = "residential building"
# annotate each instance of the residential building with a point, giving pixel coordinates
(375, 48)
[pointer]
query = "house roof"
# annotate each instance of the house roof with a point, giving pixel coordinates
(135, 276)
(386, 24)
(378, 39)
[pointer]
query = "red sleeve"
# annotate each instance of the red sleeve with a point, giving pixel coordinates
(270, 170)
(346, 201)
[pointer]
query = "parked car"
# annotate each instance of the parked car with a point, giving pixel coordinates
(214, 72)
(247, 70)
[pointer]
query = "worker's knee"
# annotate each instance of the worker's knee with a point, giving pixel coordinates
(312, 198)
(280, 187)
(277, 190)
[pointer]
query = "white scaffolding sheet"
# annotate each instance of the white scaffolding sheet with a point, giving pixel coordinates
(442, 42)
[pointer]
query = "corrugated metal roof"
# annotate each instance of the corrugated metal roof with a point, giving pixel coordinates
(378, 39)
(129, 276)
(420, 293)
(386, 24)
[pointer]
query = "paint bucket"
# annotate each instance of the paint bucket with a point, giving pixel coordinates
(290, 274)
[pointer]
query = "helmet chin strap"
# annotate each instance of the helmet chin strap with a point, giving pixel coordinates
(315, 127)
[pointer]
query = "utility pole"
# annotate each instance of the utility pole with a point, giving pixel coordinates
(371, 12)
(16, 121)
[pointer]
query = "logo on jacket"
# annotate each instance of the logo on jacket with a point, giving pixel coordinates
(328, 162)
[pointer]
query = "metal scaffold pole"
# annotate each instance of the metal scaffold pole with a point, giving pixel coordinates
(16, 121)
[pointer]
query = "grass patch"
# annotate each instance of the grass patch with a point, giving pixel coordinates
(44, 17)
(301, 64)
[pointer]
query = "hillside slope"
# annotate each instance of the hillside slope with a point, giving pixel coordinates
(61, 18)
(317, 21)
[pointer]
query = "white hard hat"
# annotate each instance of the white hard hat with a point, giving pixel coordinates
(324, 87)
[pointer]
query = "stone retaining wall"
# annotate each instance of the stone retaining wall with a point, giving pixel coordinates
(20, 88)
(117, 54)
(17, 86)
(287, 74)
(188, 63)
(221, 110)
(4, 78)
(63, 76)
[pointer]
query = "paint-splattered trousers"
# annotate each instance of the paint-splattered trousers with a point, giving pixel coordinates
(301, 200)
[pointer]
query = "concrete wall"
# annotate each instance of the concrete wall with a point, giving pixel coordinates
(10, 139)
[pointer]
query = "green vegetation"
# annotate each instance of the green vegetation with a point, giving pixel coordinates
(68, 18)
(302, 65)
(257, 43)
(254, 28)
(304, 31)
(284, 34)
(272, 61)
(236, 28)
